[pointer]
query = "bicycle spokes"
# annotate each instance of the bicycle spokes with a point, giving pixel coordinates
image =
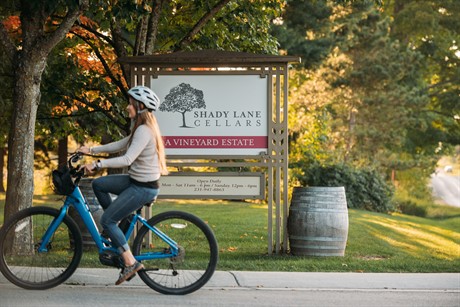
(189, 261)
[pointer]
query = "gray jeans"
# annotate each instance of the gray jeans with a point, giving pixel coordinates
(130, 198)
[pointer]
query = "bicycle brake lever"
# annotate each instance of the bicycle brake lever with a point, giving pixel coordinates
(77, 157)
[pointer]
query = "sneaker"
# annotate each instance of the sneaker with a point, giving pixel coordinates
(128, 272)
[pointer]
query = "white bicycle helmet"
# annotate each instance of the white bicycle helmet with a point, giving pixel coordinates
(146, 96)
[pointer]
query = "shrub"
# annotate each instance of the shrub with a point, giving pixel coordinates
(365, 189)
(411, 208)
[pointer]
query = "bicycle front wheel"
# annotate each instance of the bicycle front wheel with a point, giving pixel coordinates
(21, 262)
(192, 267)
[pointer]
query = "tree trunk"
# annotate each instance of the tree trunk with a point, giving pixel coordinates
(351, 137)
(141, 35)
(62, 150)
(29, 62)
(26, 96)
(2, 169)
(153, 26)
(185, 42)
(398, 7)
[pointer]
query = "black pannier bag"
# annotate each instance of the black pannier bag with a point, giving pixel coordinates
(62, 181)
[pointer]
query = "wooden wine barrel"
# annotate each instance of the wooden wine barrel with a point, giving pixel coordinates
(318, 221)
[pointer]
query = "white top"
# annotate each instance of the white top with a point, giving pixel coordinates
(141, 156)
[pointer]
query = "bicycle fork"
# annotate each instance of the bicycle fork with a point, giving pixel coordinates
(45, 240)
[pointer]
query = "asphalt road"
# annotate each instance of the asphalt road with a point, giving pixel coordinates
(95, 287)
(447, 188)
(141, 296)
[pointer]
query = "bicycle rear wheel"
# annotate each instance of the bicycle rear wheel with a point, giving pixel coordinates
(20, 261)
(192, 267)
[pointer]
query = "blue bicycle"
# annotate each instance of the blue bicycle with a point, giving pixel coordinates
(41, 247)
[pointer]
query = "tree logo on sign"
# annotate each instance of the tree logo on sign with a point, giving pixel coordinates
(183, 98)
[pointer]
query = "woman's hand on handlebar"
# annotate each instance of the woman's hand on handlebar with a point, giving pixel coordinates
(84, 149)
(89, 168)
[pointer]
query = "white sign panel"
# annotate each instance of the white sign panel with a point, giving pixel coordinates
(213, 114)
(212, 185)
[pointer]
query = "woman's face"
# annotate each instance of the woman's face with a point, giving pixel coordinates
(132, 112)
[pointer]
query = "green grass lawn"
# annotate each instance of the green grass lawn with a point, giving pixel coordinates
(376, 242)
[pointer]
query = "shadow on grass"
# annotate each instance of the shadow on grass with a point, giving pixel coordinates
(402, 236)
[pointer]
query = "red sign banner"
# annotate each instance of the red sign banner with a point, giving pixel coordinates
(216, 141)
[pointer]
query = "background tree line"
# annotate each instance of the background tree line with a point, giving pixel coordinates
(377, 90)
(378, 98)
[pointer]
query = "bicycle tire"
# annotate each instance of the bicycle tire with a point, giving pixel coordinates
(194, 265)
(23, 265)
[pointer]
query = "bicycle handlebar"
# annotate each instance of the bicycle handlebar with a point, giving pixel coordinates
(74, 170)
(74, 158)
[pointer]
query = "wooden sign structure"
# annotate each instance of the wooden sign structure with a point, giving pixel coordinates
(225, 110)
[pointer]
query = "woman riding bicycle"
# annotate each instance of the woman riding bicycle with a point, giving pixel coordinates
(145, 157)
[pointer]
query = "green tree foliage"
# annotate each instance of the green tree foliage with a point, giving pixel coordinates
(96, 89)
(366, 99)
(433, 29)
(75, 98)
(369, 103)
(303, 30)
(380, 90)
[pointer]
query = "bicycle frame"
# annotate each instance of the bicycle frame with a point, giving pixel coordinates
(78, 201)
